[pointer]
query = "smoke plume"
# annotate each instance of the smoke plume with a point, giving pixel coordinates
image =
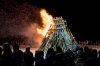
(20, 19)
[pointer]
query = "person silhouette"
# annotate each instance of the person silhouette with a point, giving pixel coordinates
(17, 55)
(28, 57)
(39, 60)
(6, 56)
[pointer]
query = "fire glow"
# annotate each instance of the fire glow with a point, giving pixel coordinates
(47, 20)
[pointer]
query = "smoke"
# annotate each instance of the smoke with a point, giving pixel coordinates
(17, 19)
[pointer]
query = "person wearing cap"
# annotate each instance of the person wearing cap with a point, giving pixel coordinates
(5, 44)
(6, 55)
(28, 57)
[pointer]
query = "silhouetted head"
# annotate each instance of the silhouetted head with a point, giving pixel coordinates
(81, 49)
(15, 47)
(39, 54)
(79, 53)
(27, 48)
(6, 47)
(50, 51)
(59, 49)
(86, 49)
(71, 52)
(5, 44)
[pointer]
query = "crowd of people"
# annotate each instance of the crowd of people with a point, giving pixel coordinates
(89, 42)
(79, 57)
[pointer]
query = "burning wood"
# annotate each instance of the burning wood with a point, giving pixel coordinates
(59, 37)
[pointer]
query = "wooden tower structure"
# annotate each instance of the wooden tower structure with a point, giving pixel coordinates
(58, 35)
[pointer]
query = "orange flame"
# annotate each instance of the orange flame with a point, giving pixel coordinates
(47, 20)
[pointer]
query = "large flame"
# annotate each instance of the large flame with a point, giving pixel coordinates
(47, 20)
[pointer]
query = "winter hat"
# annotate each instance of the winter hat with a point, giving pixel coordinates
(27, 46)
(79, 52)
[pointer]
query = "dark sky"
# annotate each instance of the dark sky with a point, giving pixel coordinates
(83, 17)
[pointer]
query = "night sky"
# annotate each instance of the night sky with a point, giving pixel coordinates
(82, 16)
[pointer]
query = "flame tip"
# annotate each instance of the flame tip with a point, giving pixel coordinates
(47, 20)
